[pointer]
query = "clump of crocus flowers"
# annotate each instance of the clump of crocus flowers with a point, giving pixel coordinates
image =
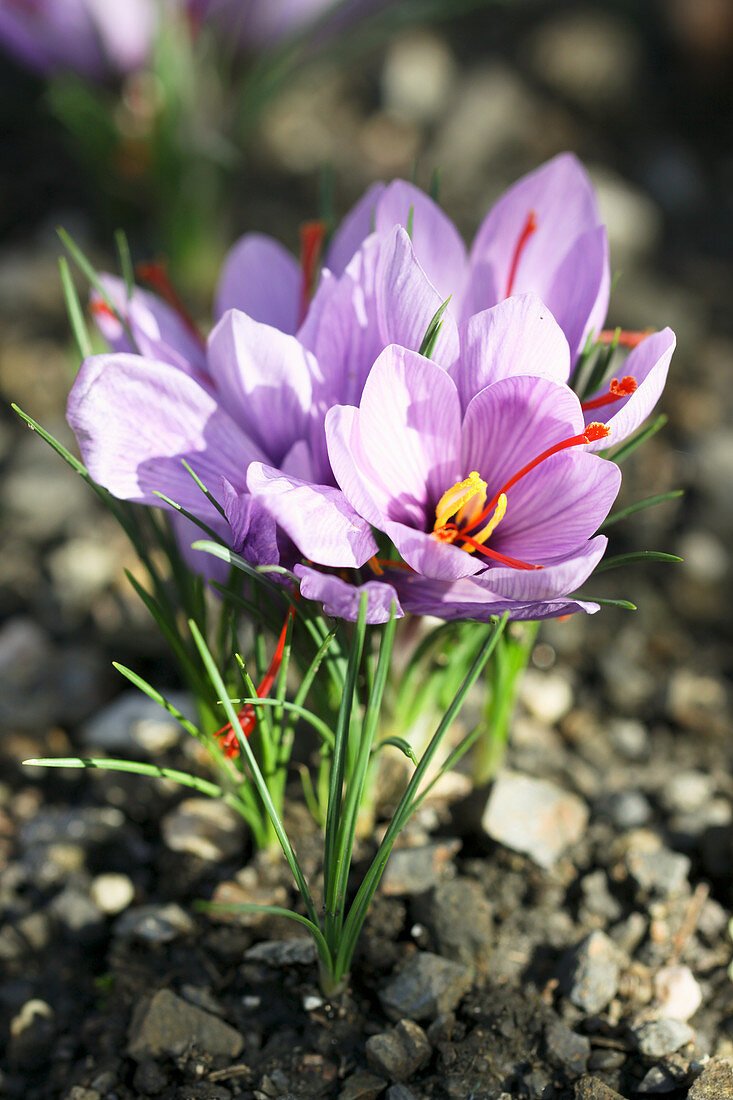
(388, 426)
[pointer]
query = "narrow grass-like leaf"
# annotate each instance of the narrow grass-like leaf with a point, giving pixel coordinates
(271, 910)
(188, 515)
(209, 496)
(630, 445)
(631, 559)
(258, 778)
(398, 743)
(649, 502)
(74, 310)
(625, 605)
(410, 220)
(427, 347)
(220, 551)
(126, 268)
(302, 712)
(156, 696)
(88, 270)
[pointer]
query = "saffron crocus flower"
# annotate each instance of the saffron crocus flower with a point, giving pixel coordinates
(95, 38)
(543, 236)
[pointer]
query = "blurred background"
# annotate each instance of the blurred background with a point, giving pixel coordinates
(209, 147)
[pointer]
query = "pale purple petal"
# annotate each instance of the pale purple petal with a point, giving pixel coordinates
(260, 277)
(437, 242)
(358, 224)
(253, 530)
(135, 420)
(263, 378)
(429, 557)
(514, 421)
(159, 332)
(318, 518)
(552, 510)
(471, 599)
(352, 467)
(555, 579)
(648, 364)
(579, 290)
(517, 336)
(409, 426)
(206, 565)
(342, 600)
(407, 301)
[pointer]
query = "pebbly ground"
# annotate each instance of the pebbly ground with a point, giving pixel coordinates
(566, 940)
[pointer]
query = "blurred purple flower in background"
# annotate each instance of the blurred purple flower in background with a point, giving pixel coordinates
(260, 24)
(95, 38)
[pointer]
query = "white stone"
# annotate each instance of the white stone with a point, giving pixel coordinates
(417, 76)
(204, 828)
(677, 992)
(547, 695)
(30, 1010)
(133, 721)
(534, 816)
(112, 892)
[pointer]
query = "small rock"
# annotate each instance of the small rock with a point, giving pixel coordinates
(88, 826)
(444, 911)
(205, 828)
(133, 722)
(399, 1092)
(714, 1083)
(590, 972)
(597, 898)
(418, 76)
(362, 1086)
(655, 868)
(112, 892)
(400, 1052)
(655, 1038)
(426, 987)
(628, 934)
(32, 1030)
(669, 1075)
(283, 953)
(693, 699)
(630, 737)
(547, 695)
(154, 923)
(590, 1088)
(78, 1092)
(628, 809)
(704, 557)
(534, 816)
(687, 791)
(166, 1024)
(566, 1048)
(414, 870)
(76, 911)
(677, 992)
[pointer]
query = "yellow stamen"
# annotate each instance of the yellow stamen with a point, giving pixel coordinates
(458, 496)
(497, 517)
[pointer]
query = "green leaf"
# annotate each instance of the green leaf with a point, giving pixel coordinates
(633, 558)
(135, 766)
(398, 743)
(156, 696)
(625, 605)
(648, 502)
(211, 499)
(202, 526)
(410, 220)
(87, 269)
(295, 708)
(74, 310)
(123, 253)
(427, 347)
(630, 445)
(257, 572)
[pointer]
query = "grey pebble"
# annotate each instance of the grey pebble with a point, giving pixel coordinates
(426, 987)
(714, 1083)
(399, 1052)
(283, 953)
(566, 1048)
(166, 1024)
(589, 972)
(154, 923)
(362, 1086)
(414, 870)
(459, 919)
(655, 1038)
(534, 816)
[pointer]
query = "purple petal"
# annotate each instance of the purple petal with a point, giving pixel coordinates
(342, 600)
(470, 599)
(556, 507)
(263, 279)
(253, 530)
(514, 421)
(160, 333)
(318, 518)
(263, 378)
(407, 301)
(354, 229)
(648, 364)
(351, 465)
(409, 427)
(555, 579)
(206, 565)
(563, 202)
(438, 245)
(517, 336)
(135, 420)
(429, 557)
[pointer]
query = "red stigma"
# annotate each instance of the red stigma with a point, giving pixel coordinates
(596, 431)
(312, 236)
(101, 309)
(228, 740)
(530, 227)
(626, 338)
(155, 276)
(616, 391)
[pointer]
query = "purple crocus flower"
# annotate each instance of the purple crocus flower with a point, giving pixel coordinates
(95, 38)
(543, 236)
(261, 24)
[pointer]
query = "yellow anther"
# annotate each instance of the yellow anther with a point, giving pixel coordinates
(458, 496)
(495, 520)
